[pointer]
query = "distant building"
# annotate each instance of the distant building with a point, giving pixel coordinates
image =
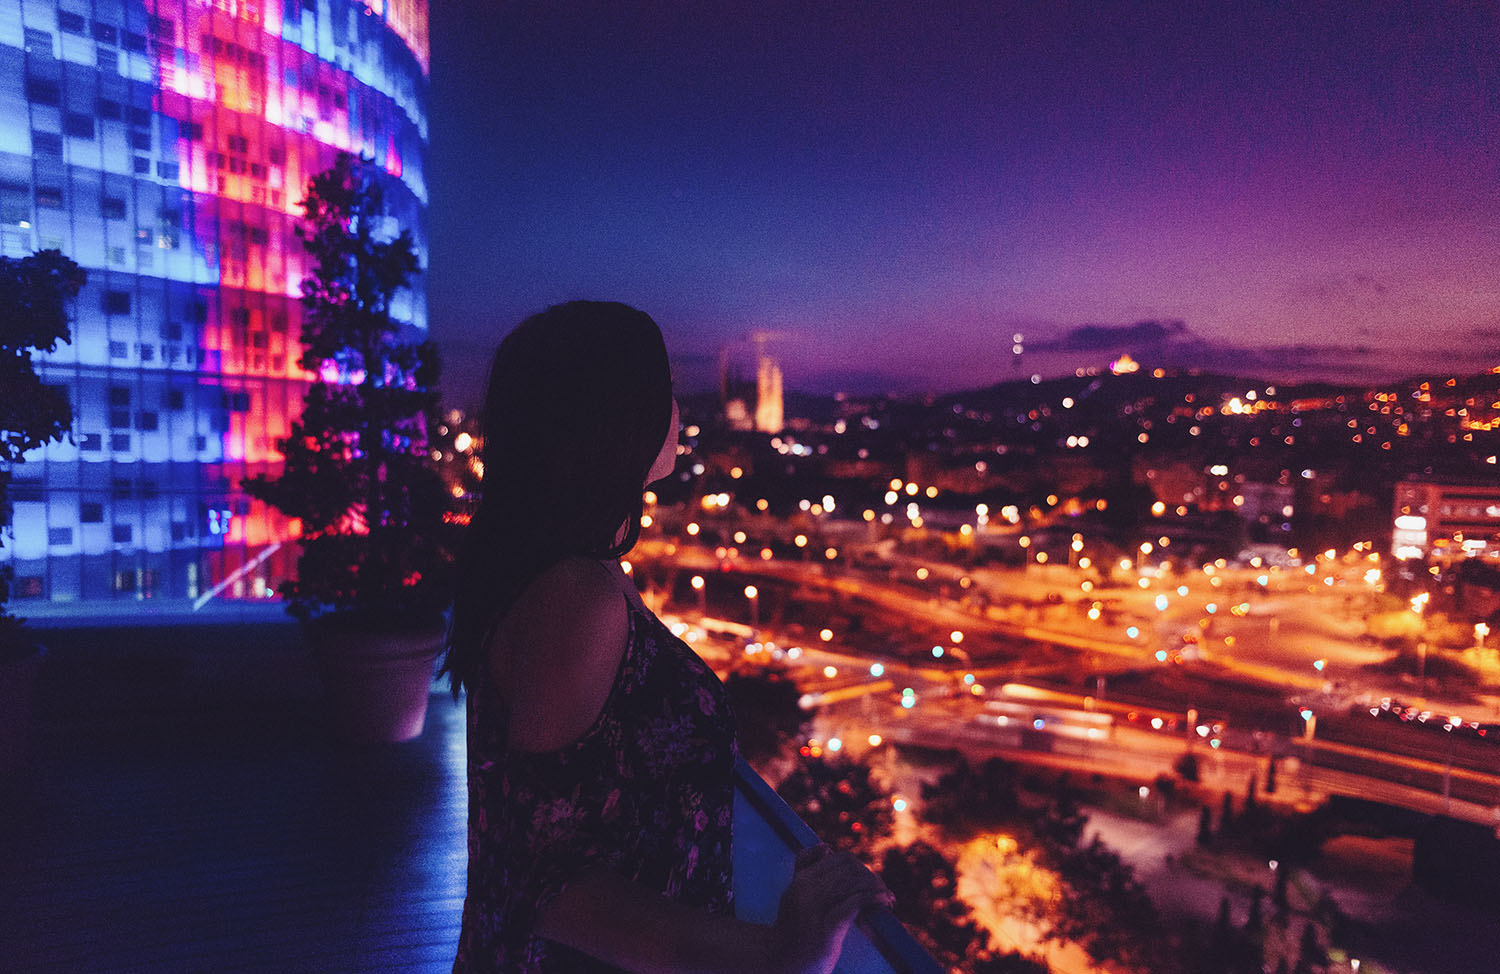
(759, 407)
(769, 410)
(165, 147)
(1446, 521)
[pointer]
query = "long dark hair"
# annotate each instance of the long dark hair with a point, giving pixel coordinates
(579, 401)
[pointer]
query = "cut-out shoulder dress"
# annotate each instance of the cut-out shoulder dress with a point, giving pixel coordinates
(647, 792)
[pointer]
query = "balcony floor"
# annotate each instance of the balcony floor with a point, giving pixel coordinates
(176, 818)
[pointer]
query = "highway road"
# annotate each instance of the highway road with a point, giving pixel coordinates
(950, 713)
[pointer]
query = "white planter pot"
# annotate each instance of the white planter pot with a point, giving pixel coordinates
(377, 683)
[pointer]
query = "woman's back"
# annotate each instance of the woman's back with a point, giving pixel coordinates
(644, 789)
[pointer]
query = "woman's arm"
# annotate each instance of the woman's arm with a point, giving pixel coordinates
(608, 917)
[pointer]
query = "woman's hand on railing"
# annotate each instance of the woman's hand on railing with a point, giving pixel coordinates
(827, 892)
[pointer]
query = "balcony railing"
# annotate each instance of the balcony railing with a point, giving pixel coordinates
(767, 836)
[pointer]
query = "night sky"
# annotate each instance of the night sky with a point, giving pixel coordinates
(893, 191)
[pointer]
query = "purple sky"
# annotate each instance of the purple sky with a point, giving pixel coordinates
(894, 192)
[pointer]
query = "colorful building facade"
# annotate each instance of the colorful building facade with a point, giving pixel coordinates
(164, 145)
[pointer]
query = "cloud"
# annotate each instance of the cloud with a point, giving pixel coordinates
(1111, 338)
(1171, 343)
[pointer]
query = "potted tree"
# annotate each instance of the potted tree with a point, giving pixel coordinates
(34, 296)
(372, 574)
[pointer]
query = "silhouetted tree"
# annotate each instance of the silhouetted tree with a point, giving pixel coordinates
(1062, 821)
(35, 293)
(1205, 826)
(1226, 814)
(969, 797)
(925, 884)
(1218, 957)
(767, 713)
(1105, 910)
(840, 801)
(1255, 923)
(1310, 954)
(1186, 766)
(358, 474)
(1013, 962)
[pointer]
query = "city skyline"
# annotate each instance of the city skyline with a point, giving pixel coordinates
(1293, 193)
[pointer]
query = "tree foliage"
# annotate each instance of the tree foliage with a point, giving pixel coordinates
(925, 884)
(357, 472)
(840, 801)
(35, 293)
(968, 798)
(767, 712)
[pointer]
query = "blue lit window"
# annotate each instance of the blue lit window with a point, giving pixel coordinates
(123, 533)
(38, 42)
(121, 488)
(139, 117)
(91, 512)
(148, 352)
(72, 23)
(174, 399)
(112, 207)
(116, 302)
(119, 395)
(179, 531)
(142, 166)
(147, 421)
(167, 170)
(133, 41)
(59, 536)
(105, 33)
(119, 419)
(119, 350)
(90, 442)
(119, 442)
(78, 126)
(140, 141)
(15, 204)
(49, 142)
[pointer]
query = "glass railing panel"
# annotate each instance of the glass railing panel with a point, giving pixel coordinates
(767, 835)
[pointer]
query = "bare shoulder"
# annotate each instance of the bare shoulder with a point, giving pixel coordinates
(555, 655)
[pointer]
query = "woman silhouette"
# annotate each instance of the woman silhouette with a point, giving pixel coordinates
(601, 749)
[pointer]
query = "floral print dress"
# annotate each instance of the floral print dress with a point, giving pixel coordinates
(646, 792)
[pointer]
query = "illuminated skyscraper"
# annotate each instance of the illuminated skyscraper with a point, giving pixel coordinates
(164, 145)
(768, 401)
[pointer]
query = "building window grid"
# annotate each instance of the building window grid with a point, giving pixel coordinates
(329, 106)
